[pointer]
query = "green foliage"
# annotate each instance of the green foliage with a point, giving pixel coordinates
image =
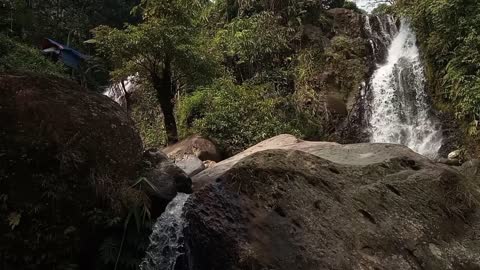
(190, 109)
(168, 33)
(341, 66)
(68, 21)
(286, 8)
(345, 61)
(253, 39)
(147, 116)
(165, 51)
(254, 44)
(383, 9)
(15, 56)
(449, 34)
(238, 116)
(337, 70)
(351, 5)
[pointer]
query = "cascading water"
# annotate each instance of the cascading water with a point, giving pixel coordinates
(399, 109)
(367, 5)
(118, 92)
(166, 241)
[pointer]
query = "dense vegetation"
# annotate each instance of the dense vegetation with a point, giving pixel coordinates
(448, 31)
(21, 57)
(68, 21)
(229, 61)
(241, 53)
(196, 46)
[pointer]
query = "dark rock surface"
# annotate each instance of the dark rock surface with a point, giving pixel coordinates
(68, 158)
(290, 204)
(471, 169)
(84, 129)
(167, 178)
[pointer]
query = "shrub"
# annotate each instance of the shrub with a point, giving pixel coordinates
(351, 5)
(236, 116)
(148, 117)
(15, 56)
(254, 45)
(383, 9)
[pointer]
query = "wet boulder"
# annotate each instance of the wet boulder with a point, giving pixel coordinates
(165, 176)
(292, 204)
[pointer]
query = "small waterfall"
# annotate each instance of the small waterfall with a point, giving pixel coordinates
(379, 31)
(400, 112)
(117, 92)
(166, 241)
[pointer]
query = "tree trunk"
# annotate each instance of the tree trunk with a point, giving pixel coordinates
(127, 96)
(165, 93)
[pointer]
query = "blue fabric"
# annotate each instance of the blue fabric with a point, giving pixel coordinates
(69, 56)
(70, 59)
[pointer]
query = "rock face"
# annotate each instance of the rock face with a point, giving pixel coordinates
(68, 157)
(291, 204)
(167, 177)
(190, 164)
(195, 145)
(56, 114)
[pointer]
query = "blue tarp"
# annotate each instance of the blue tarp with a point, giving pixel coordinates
(69, 56)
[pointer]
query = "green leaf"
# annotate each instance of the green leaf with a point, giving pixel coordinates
(14, 219)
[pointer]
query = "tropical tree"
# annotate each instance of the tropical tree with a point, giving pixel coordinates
(164, 51)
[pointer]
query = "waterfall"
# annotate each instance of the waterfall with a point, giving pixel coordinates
(367, 5)
(118, 91)
(399, 108)
(166, 241)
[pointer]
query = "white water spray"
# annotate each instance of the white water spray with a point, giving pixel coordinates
(400, 112)
(367, 5)
(118, 91)
(166, 241)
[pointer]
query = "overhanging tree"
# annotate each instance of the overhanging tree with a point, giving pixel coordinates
(163, 50)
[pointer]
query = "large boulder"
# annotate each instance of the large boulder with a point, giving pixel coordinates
(68, 159)
(291, 204)
(194, 145)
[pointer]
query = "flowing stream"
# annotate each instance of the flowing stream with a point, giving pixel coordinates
(166, 241)
(118, 91)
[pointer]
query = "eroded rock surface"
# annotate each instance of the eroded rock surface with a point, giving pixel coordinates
(195, 145)
(291, 204)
